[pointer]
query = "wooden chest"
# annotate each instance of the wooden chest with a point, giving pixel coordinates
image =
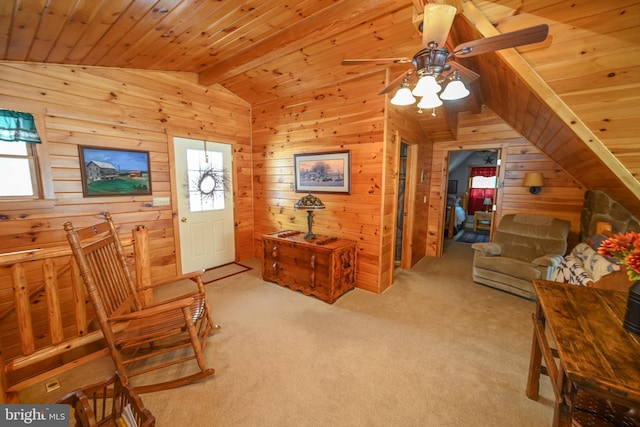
(324, 267)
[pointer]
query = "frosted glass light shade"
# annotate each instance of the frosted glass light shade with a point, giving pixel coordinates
(403, 97)
(454, 90)
(436, 23)
(426, 85)
(430, 100)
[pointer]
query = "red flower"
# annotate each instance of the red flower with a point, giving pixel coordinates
(625, 248)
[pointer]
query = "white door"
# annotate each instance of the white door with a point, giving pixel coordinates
(205, 203)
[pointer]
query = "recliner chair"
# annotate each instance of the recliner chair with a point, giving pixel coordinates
(524, 247)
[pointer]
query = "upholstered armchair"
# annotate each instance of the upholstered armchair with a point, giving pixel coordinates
(523, 248)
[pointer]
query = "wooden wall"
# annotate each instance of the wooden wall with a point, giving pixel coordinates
(561, 197)
(341, 117)
(128, 109)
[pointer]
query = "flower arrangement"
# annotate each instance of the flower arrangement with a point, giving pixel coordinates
(624, 247)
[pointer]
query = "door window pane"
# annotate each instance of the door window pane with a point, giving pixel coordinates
(205, 174)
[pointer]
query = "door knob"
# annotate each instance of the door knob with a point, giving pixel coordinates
(183, 219)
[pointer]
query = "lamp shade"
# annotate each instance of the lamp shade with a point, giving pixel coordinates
(430, 100)
(426, 85)
(487, 201)
(533, 179)
(454, 90)
(403, 97)
(309, 202)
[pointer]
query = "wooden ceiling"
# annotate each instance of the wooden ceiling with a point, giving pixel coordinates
(586, 74)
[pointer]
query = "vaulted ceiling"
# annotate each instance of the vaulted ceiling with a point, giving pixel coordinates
(581, 86)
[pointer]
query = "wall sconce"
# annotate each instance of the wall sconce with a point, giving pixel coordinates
(533, 180)
(309, 203)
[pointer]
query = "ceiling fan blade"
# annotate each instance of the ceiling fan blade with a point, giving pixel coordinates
(396, 82)
(503, 41)
(379, 61)
(436, 23)
(467, 75)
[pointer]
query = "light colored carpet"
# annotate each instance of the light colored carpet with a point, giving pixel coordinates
(433, 350)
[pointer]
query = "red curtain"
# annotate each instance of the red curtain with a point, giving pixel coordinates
(477, 195)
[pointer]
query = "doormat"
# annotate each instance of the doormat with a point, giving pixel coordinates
(470, 237)
(223, 271)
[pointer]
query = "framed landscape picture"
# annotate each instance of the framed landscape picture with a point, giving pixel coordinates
(110, 172)
(323, 172)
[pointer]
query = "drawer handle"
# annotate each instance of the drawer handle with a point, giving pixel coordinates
(274, 252)
(275, 268)
(312, 264)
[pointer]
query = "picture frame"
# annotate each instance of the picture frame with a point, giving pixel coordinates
(328, 172)
(452, 186)
(114, 172)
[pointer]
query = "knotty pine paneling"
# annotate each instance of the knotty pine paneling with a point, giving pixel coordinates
(128, 109)
(561, 197)
(351, 118)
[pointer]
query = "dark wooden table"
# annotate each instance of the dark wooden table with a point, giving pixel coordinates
(593, 353)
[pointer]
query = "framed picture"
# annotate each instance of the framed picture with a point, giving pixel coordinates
(110, 172)
(323, 172)
(452, 186)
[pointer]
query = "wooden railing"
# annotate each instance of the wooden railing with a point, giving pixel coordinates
(40, 352)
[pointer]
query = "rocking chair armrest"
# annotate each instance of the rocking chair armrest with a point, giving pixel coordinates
(154, 311)
(194, 294)
(174, 279)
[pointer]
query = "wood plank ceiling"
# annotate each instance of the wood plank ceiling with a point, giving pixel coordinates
(262, 50)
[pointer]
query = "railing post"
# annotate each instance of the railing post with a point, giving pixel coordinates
(23, 312)
(53, 301)
(78, 298)
(142, 260)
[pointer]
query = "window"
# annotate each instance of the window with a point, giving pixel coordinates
(25, 174)
(18, 177)
(482, 184)
(205, 172)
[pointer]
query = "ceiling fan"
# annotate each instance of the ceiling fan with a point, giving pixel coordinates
(432, 65)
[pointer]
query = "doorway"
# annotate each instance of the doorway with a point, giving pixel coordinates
(400, 211)
(204, 203)
(460, 187)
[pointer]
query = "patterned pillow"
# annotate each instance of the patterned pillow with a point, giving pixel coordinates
(570, 271)
(594, 264)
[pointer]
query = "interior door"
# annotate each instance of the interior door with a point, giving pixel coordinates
(205, 203)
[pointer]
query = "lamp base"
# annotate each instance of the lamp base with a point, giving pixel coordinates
(309, 235)
(632, 317)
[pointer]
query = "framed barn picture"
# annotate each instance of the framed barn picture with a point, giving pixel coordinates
(323, 172)
(111, 172)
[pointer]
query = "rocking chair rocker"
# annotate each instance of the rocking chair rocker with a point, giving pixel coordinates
(134, 333)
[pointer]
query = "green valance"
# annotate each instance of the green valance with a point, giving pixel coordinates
(16, 126)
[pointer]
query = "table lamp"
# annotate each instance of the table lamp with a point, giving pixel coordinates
(309, 203)
(487, 202)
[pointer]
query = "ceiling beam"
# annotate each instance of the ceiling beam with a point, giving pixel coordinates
(329, 22)
(540, 87)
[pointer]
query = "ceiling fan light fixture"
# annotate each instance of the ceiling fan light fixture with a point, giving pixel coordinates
(403, 96)
(436, 23)
(454, 90)
(426, 85)
(430, 100)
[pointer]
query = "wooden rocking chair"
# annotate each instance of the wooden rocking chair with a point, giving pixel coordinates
(134, 333)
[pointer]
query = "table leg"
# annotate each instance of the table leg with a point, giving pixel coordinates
(563, 412)
(535, 361)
